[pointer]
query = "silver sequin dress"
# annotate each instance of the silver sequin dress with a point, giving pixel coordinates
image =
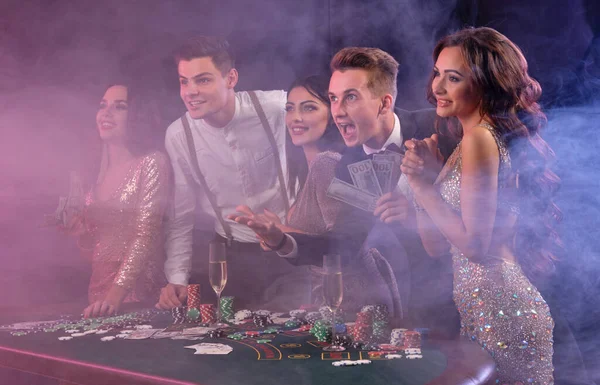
(126, 232)
(499, 307)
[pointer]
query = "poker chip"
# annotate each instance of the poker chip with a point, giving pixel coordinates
(208, 313)
(70, 331)
(215, 333)
(343, 340)
(381, 313)
(412, 339)
(413, 356)
(77, 334)
(242, 315)
(102, 331)
(322, 331)
(412, 351)
(312, 317)
(226, 308)
(193, 295)
(107, 338)
(364, 317)
(263, 341)
(298, 313)
(397, 337)
(293, 323)
(262, 320)
(179, 314)
(367, 308)
(251, 333)
(262, 312)
(122, 335)
(65, 338)
(393, 356)
(305, 328)
(350, 362)
(357, 345)
(193, 314)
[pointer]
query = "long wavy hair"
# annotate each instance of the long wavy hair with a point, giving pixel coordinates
(509, 96)
(331, 140)
(145, 129)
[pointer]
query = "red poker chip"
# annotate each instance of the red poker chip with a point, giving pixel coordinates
(251, 333)
(389, 347)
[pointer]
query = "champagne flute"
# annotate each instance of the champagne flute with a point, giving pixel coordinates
(333, 291)
(217, 271)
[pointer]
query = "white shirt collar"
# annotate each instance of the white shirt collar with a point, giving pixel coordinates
(395, 137)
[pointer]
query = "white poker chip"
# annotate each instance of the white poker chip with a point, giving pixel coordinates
(92, 331)
(77, 334)
(102, 331)
(242, 315)
(413, 356)
(363, 362)
(367, 308)
(122, 335)
(350, 362)
(142, 327)
(66, 338)
(393, 356)
(298, 313)
(107, 338)
(126, 331)
(72, 331)
(262, 312)
(412, 351)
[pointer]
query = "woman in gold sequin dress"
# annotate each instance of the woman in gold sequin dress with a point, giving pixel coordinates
(123, 216)
(492, 201)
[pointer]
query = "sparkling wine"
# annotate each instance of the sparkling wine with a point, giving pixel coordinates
(333, 289)
(217, 274)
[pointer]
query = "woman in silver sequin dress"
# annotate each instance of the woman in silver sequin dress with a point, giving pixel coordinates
(492, 201)
(122, 220)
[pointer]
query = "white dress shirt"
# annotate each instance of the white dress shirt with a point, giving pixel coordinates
(239, 167)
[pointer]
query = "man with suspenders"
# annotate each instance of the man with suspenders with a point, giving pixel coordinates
(228, 149)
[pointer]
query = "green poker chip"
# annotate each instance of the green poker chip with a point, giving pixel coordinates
(193, 314)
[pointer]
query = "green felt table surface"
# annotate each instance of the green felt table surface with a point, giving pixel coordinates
(291, 357)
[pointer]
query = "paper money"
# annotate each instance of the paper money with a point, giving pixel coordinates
(383, 166)
(396, 172)
(351, 195)
(363, 177)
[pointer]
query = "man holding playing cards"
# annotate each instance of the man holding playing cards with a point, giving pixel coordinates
(363, 92)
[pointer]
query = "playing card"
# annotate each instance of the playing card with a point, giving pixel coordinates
(210, 348)
(142, 334)
(164, 334)
(197, 331)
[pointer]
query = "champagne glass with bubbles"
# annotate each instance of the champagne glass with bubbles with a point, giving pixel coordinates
(217, 271)
(333, 291)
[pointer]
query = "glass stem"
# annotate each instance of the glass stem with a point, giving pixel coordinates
(218, 307)
(333, 310)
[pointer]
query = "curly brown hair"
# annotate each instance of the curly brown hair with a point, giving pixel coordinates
(509, 96)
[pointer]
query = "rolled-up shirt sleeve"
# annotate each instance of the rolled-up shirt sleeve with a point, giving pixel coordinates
(180, 224)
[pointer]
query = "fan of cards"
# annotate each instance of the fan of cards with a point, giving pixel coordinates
(371, 179)
(69, 205)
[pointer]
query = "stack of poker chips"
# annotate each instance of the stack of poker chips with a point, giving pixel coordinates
(226, 307)
(363, 327)
(397, 337)
(208, 313)
(242, 315)
(179, 314)
(326, 313)
(193, 296)
(343, 340)
(322, 331)
(380, 322)
(313, 317)
(412, 339)
(299, 314)
(262, 320)
(193, 303)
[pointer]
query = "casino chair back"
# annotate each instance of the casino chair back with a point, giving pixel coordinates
(389, 265)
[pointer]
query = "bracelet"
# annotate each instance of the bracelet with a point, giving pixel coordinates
(279, 245)
(418, 207)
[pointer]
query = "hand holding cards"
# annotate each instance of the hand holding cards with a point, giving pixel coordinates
(69, 206)
(371, 179)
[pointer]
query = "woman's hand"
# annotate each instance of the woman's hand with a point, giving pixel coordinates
(108, 306)
(422, 162)
(75, 226)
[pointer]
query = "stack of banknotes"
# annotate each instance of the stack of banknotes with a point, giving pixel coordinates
(371, 179)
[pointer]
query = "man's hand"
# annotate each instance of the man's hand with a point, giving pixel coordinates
(172, 296)
(263, 225)
(393, 207)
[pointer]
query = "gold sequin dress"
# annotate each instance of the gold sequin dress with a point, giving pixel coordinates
(126, 232)
(499, 307)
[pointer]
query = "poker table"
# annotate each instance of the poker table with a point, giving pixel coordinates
(291, 357)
